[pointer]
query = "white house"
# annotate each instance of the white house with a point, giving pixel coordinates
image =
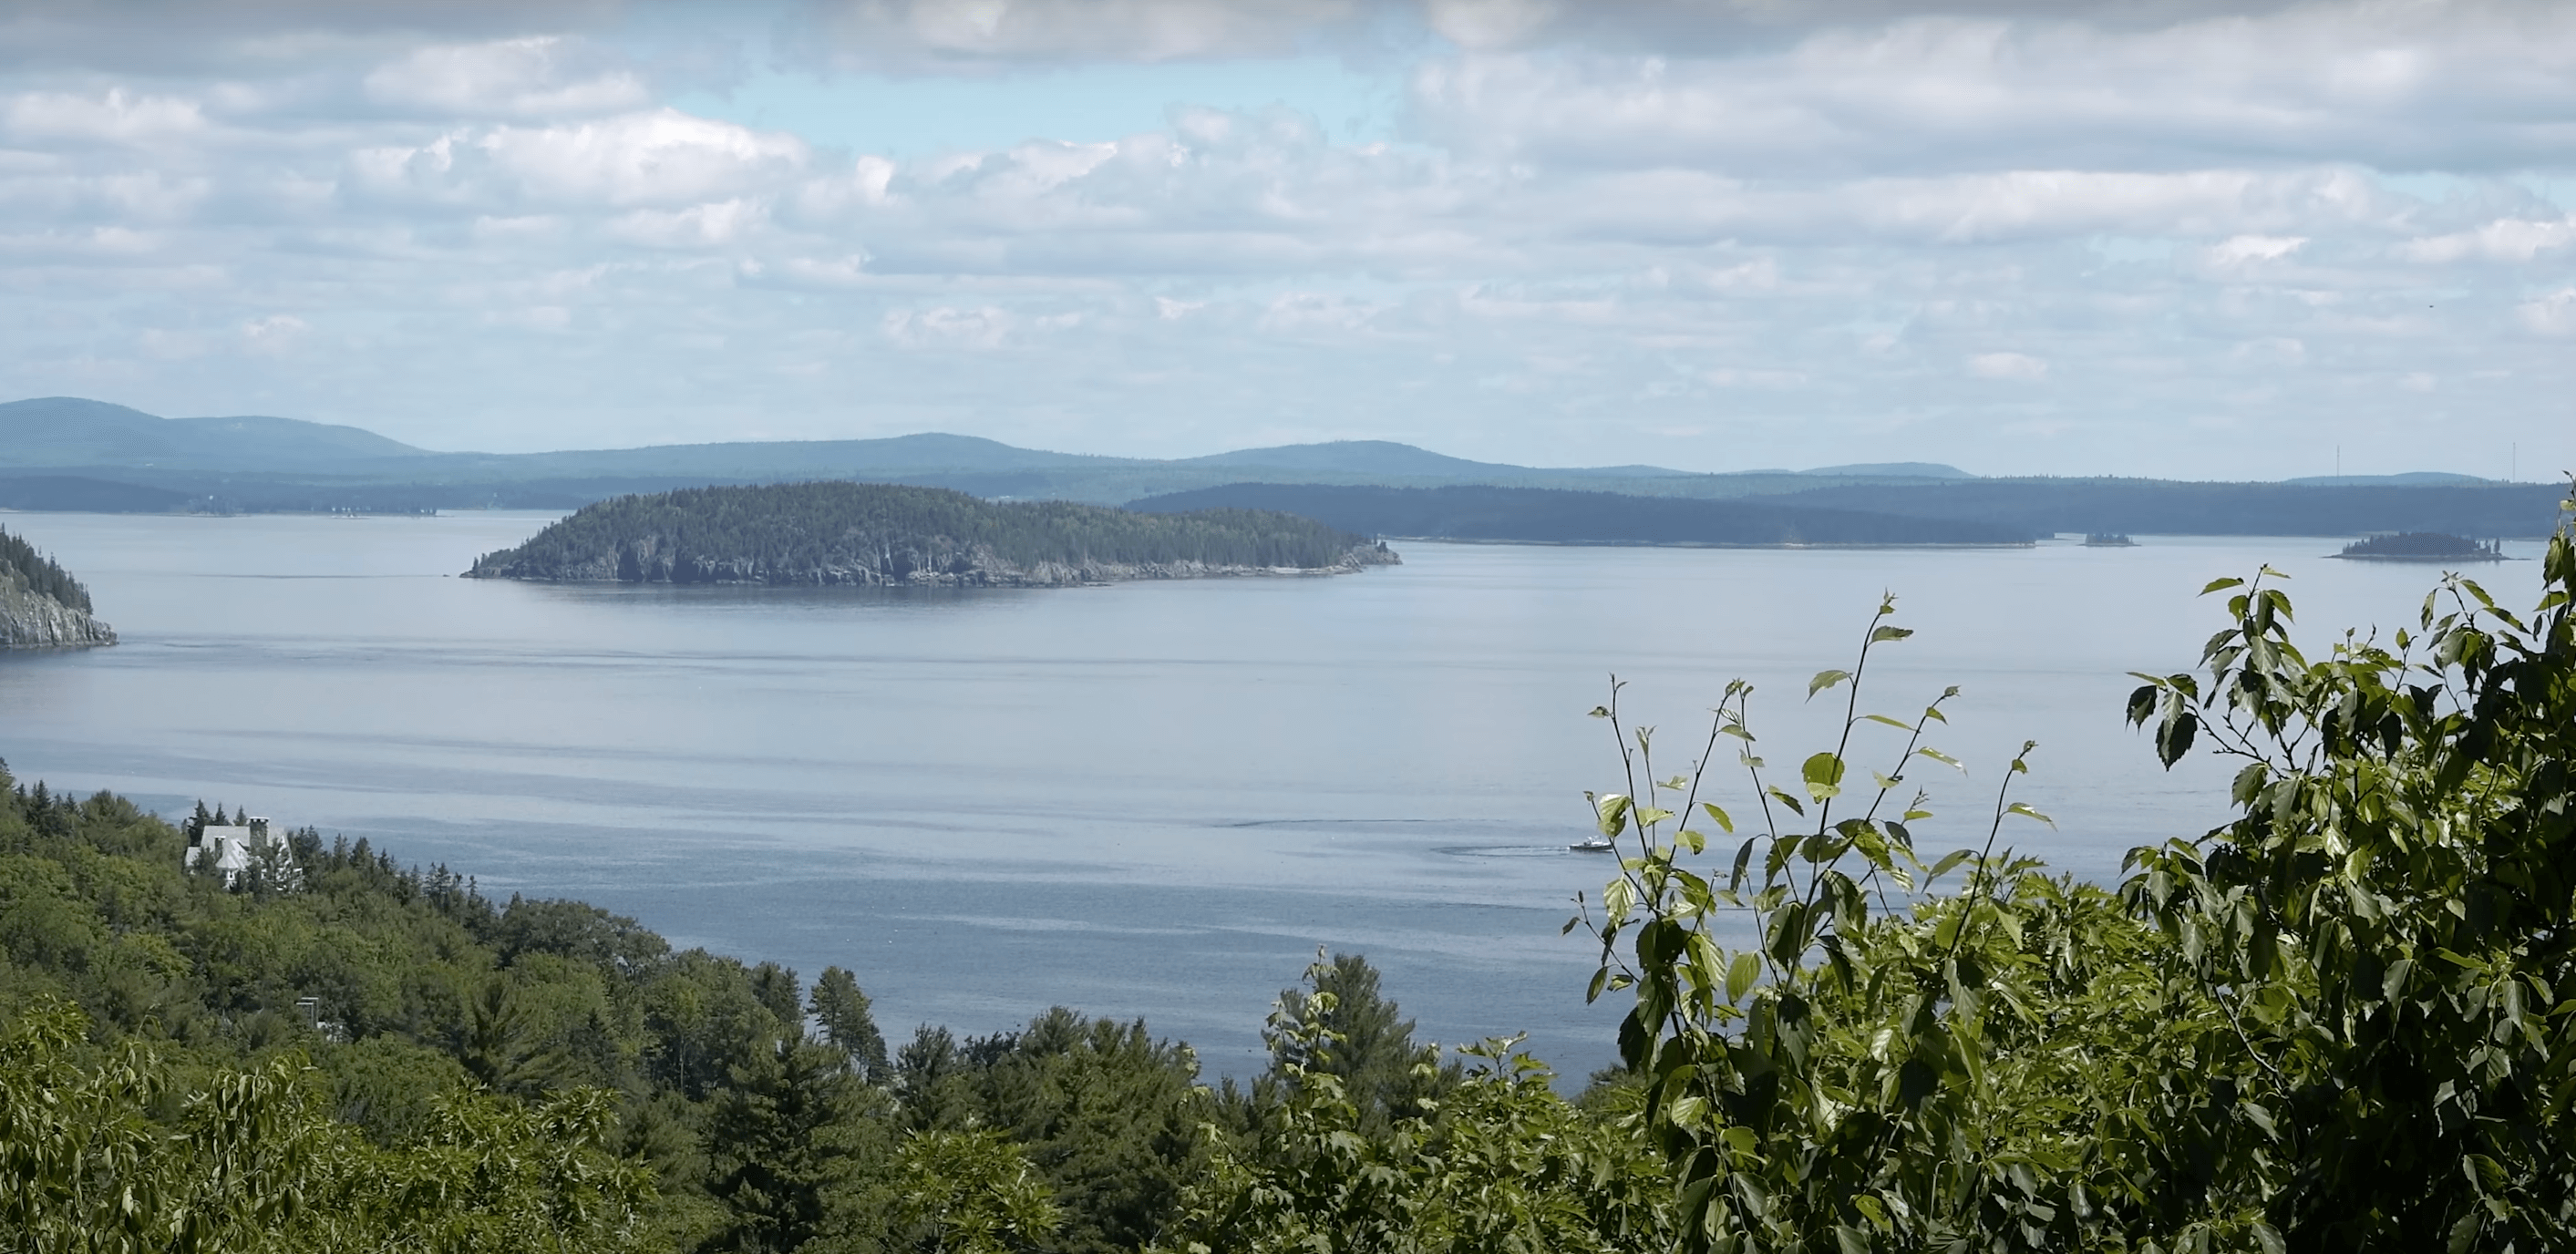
(234, 848)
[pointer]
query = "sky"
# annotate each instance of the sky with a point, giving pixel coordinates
(2138, 237)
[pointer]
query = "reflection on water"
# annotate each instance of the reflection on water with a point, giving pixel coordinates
(1149, 799)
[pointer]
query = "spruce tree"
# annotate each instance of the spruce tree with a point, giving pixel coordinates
(844, 1013)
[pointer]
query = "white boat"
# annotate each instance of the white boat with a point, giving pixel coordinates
(1596, 845)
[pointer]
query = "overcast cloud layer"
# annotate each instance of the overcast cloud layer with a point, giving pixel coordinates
(2179, 239)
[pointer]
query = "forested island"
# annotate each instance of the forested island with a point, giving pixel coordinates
(824, 534)
(41, 605)
(2421, 546)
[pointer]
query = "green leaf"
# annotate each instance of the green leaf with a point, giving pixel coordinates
(1824, 680)
(1718, 817)
(1691, 840)
(1824, 775)
(1741, 973)
(1611, 813)
(2028, 813)
(1881, 718)
(1890, 633)
(1942, 758)
(2217, 585)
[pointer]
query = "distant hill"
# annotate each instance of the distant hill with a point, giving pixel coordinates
(63, 431)
(1542, 515)
(1893, 470)
(876, 534)
(62, 453)
(260, 464)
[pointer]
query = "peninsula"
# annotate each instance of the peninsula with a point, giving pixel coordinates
(823, 534)
(41, 605)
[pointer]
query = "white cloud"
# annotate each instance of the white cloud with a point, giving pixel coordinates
(1781, 232)
(657, 158)
(2007, 366)
(538, 76)
(113, 116)
(966, 34)
(982, 328)
(274, 335)
(2506, 239)
(2454, 84)
(2553, 314)
(2240, 251)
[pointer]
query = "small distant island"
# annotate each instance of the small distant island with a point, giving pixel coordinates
(872, 534)
(2108, 540)
(41, 605)
(2422, 546)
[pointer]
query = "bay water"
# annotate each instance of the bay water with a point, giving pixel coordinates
(1150, 799)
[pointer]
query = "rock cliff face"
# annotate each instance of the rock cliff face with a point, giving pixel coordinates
(31, 620)
(933, 562)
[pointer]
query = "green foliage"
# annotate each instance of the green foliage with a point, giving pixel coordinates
(106, 1153)
(2390, 923)
(971, 1191)
(806, 533)
(1364, 1044)
(20, 562)
(845, 1015)
(1503, 1164)
(2338, 1022)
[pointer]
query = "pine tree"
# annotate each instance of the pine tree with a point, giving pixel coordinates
(1371, 1051)
(844, 1013)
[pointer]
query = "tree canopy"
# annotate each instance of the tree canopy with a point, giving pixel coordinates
(19, 560)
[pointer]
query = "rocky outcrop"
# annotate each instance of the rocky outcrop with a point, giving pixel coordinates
(32, 620)
(934, 562)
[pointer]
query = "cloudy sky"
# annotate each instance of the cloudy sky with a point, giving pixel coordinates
(2085, 236)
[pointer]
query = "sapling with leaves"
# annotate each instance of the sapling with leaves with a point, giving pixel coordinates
(2389, 926)
(1885, 1065)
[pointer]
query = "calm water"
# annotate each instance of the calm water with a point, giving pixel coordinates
(1151, 799)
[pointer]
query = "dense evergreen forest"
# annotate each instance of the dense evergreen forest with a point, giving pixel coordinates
(865, 533)
(1552, 516)
(421, 1064)
(19, 560)
(2345, 1019)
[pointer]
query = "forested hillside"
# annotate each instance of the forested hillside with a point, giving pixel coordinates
(38, 573)
(862, 533)
(1551, 516)
(41, 605)
(428, 1068)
